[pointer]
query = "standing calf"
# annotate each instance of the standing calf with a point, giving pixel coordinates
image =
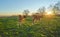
(21, 18)
(36, 17)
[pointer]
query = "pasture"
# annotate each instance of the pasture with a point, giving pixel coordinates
(10, 27)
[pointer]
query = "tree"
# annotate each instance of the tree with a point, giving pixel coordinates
(41, 10)
(26, 12)
(56, 8)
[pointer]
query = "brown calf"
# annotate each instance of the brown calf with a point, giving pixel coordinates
(36, 17)
(21, 18)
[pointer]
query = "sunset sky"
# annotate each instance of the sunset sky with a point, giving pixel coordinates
(9, 7)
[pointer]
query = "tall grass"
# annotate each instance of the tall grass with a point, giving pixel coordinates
(9, 27)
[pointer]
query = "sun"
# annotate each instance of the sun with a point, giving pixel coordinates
(49, 14)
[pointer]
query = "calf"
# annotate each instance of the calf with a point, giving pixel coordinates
(21, 18)
(36, 17)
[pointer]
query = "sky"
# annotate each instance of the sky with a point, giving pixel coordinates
(12, 7)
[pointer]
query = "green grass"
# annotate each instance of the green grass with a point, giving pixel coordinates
(9, 27)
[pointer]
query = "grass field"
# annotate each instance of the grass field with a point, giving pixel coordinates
(9, 27)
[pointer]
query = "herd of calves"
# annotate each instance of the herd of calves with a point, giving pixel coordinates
(35, 17)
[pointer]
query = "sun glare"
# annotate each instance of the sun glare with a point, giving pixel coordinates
(49, 14)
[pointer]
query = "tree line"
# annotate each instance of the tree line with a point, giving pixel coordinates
(54, 8)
